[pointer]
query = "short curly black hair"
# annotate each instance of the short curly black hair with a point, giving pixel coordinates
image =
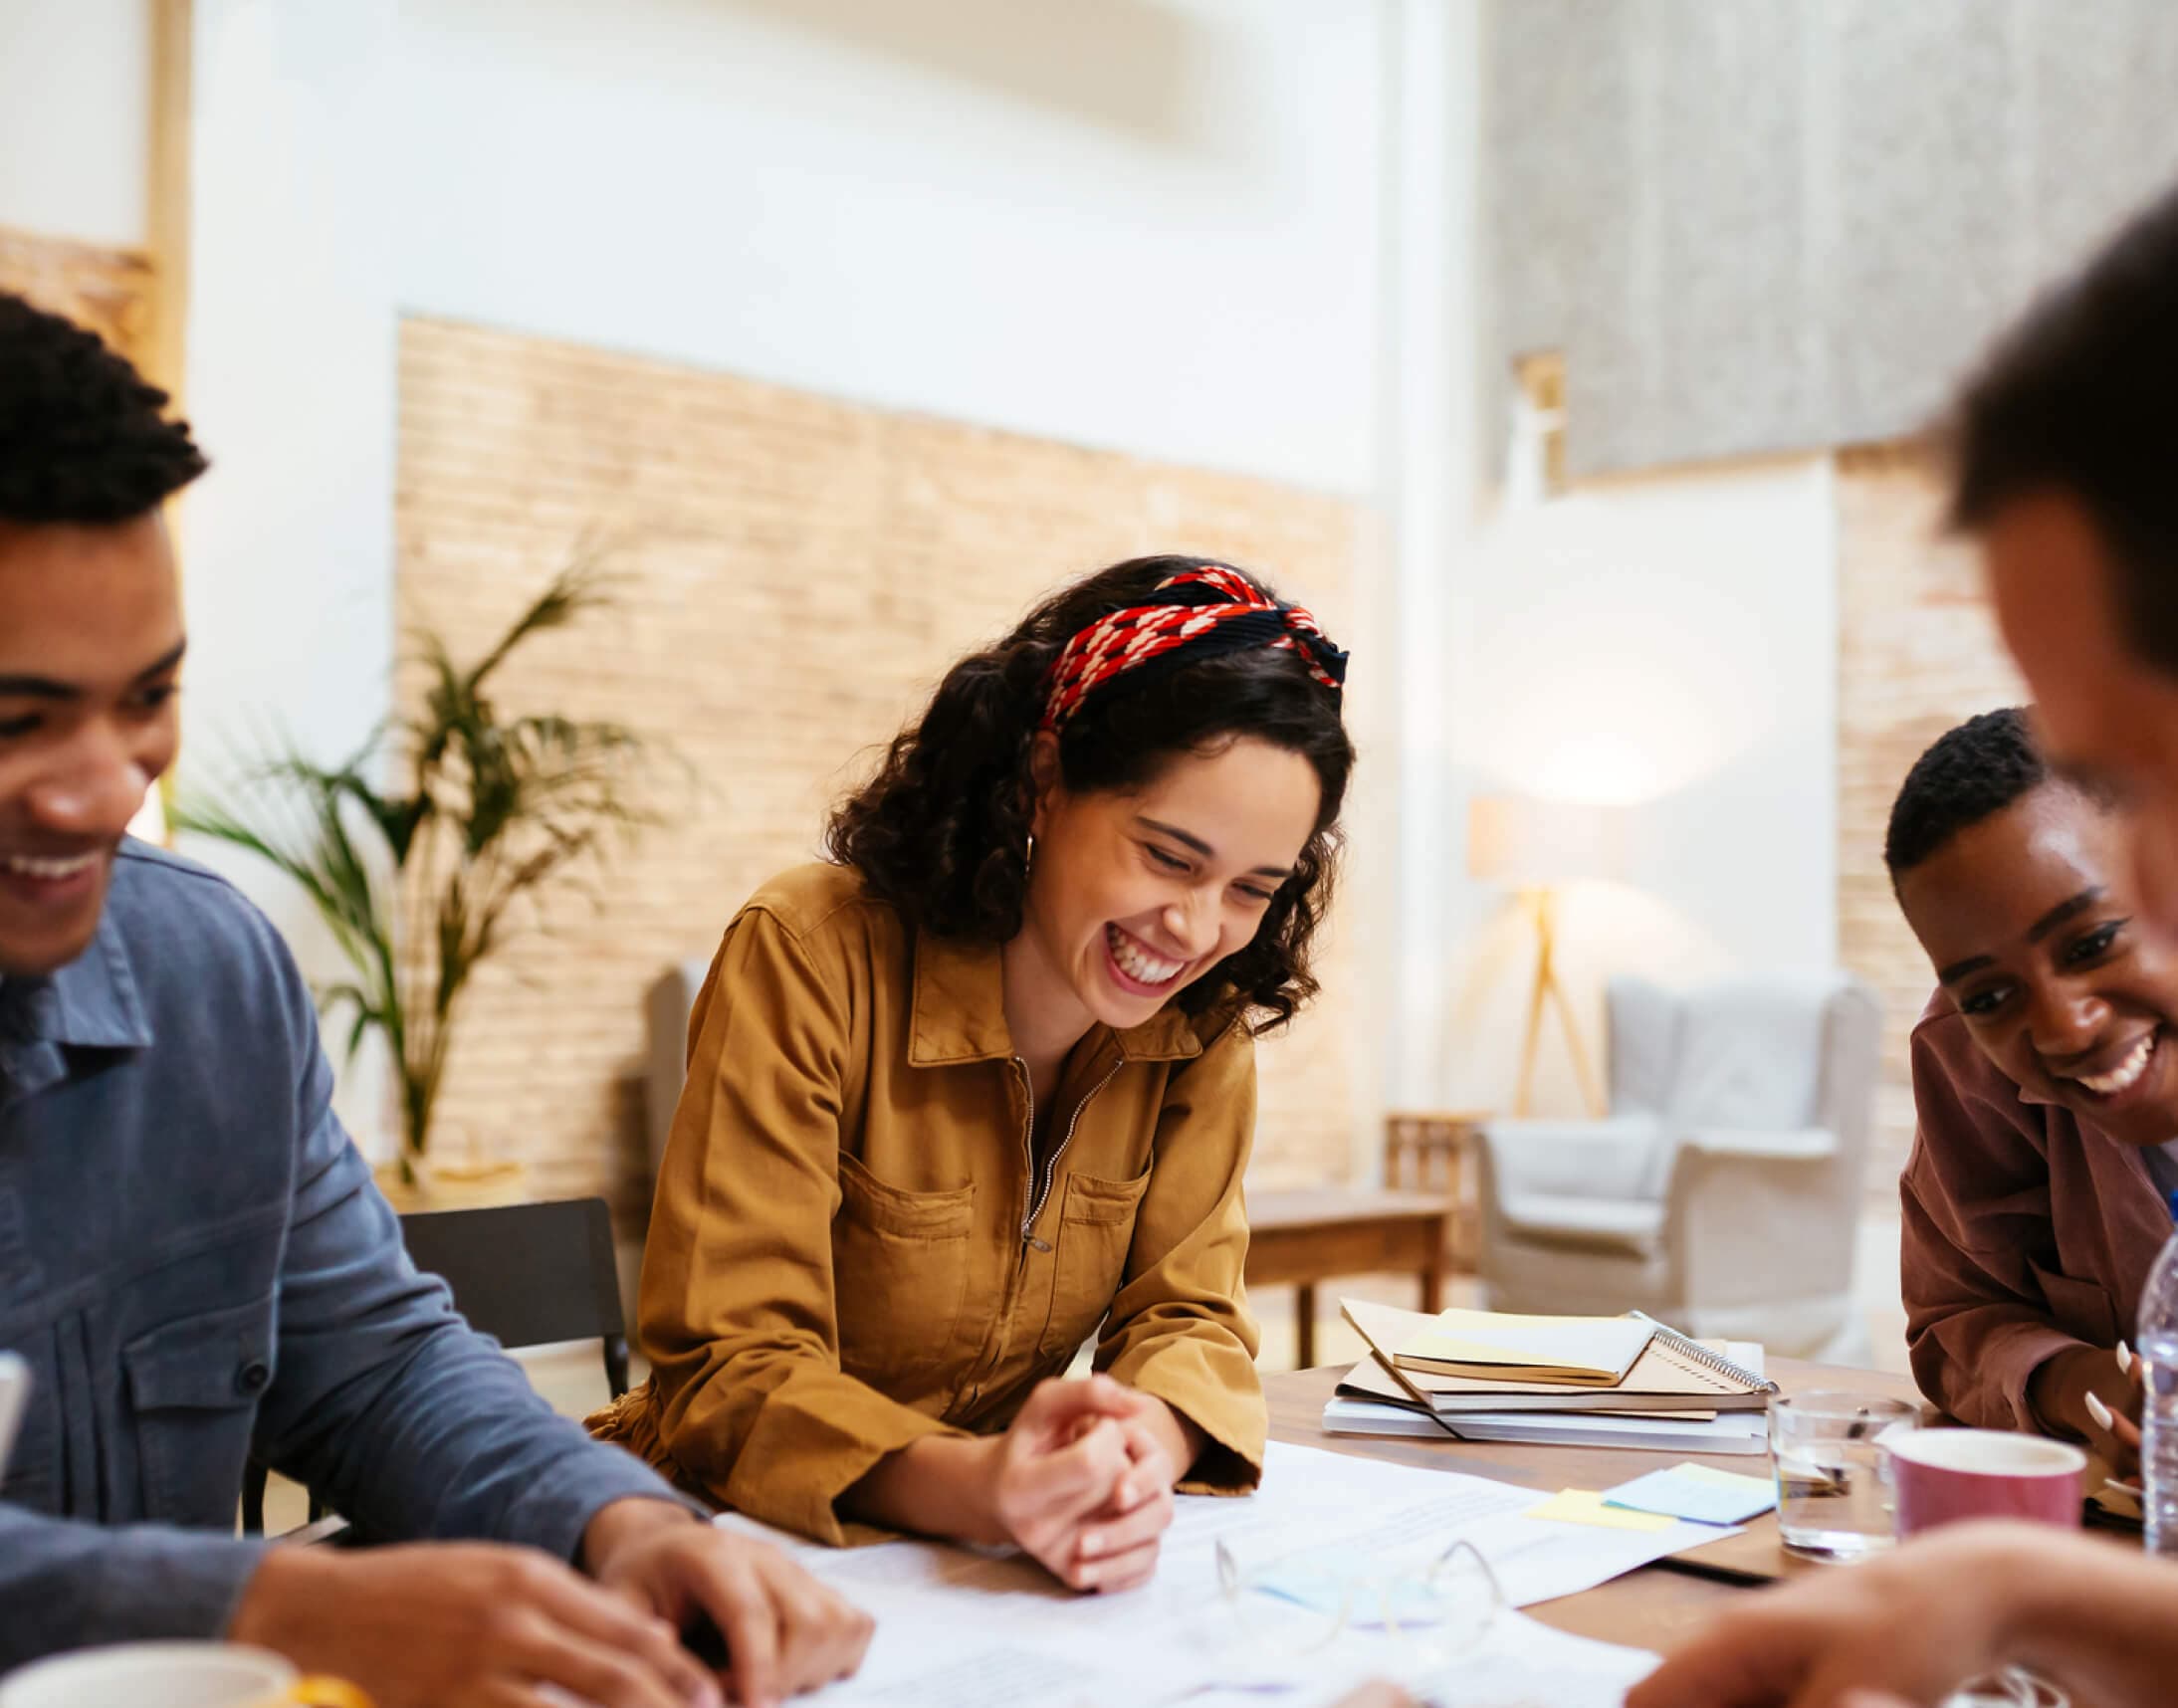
(1968, 775)
(83, 437)
(942, 830)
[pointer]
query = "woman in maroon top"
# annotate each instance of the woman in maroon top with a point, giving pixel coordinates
(2046, 1082)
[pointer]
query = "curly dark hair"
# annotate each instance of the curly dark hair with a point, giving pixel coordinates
(1970, 773)
(83, 437)
(942, 830)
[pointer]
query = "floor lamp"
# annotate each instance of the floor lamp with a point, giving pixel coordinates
(1536, 846)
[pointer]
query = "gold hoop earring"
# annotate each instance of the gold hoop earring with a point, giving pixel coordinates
(1028, 859)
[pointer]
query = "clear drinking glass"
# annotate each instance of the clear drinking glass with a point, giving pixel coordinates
(1832, 1464)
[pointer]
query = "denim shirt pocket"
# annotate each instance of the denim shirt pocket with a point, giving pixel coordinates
(194, 1385)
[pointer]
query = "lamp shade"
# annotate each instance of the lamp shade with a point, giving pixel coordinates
(1520, 839)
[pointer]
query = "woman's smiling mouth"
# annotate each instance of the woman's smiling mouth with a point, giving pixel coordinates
(1138, 968)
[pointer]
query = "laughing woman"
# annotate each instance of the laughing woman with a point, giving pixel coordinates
(2046, 1082)
(984, 1086)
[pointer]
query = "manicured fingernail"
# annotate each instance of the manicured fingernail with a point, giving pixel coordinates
(2098, 1411)
(2125, 1358)
(1092, 1545)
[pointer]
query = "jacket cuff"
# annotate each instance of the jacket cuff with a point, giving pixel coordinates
(1225, 1404)
(798, 1459)
(2016, 1360)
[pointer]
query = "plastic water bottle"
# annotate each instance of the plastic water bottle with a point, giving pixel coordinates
(2158, 1347)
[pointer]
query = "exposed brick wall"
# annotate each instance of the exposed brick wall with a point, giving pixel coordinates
(1917, 653)
(797, 572)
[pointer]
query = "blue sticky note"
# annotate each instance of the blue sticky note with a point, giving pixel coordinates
(1696, 1492)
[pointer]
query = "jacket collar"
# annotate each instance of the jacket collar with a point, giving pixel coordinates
(92, 1003)
(959, 1011)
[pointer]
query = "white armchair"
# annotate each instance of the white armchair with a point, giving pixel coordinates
(1722, 1194)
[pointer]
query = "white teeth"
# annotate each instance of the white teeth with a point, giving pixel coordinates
(2125, 1073)
(1140, 966)
(29, 866)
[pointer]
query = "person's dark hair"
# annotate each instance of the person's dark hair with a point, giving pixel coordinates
(1968, 775)
(83, 437)
(942, 830)
(2082, 398)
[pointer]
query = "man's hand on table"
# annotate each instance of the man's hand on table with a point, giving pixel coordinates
(2067, 1390)
(477, 1625)
(785, 1633)
(1905, 1630)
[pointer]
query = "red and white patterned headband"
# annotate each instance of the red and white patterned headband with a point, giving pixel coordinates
(1206, 611)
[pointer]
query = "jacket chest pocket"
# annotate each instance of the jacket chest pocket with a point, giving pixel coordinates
(194, 1386)
(900, 1263)
(1089, 1258)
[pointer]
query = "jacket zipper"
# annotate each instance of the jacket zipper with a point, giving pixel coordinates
(1028, 1135)
(1051, 1169)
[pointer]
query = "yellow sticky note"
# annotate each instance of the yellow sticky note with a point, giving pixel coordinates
(1586, 1506)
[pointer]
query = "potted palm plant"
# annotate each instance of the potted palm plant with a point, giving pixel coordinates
(420, 883)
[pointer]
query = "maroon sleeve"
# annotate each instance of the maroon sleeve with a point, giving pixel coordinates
(1975, 1198)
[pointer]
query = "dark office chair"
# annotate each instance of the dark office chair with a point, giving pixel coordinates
(525, 1274)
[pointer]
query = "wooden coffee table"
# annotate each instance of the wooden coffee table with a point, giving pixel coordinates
(1307, 1237)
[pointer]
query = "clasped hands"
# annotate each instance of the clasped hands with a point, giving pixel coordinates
(1082, 1481)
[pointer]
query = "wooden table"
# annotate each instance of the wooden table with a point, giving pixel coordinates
(1311, 1236)
(1649, 1608)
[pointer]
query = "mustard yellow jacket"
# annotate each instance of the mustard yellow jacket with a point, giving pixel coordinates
(852, 1248)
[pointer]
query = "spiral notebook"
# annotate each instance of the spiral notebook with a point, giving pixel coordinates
(1672, 1374)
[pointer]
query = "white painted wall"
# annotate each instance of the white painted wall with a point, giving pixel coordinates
(1668, 643)
(1142, 224)
(75, 118)
(288, 543)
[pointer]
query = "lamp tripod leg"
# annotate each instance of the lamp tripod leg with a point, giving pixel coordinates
(1591, 1092)
(1547, 987)
(1524, 1099)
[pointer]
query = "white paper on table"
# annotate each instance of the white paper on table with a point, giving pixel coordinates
(960, 1629)
(1520, 1664)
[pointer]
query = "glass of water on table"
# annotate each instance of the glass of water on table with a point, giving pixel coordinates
(1834, 1480)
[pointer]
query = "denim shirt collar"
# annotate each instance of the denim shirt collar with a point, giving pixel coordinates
(92, 1003)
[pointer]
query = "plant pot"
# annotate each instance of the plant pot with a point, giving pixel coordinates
(453, 1186)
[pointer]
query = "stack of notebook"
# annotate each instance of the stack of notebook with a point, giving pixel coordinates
(1622, 1381)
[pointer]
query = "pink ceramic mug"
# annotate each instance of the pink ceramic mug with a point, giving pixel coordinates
(1945, 1476)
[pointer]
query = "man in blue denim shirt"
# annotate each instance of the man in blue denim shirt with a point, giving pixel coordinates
(192, 1255)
